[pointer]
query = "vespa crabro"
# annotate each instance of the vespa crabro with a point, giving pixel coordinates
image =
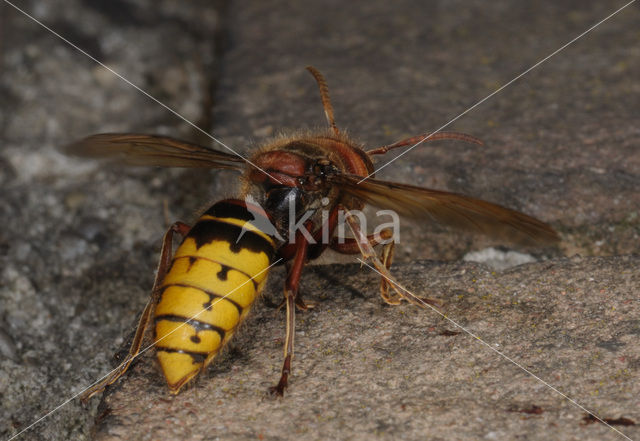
(313, 182)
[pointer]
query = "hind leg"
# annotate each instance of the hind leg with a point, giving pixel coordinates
(134, 349)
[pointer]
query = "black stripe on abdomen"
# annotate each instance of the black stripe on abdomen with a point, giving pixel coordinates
(197, 357)
(237, 209)
(196, 324)
(206, 231)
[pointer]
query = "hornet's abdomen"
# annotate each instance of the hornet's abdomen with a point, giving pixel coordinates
(215, 276)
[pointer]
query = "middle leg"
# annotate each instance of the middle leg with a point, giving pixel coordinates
(290, 298)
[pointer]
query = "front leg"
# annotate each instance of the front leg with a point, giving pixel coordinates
(290, 298)
(351, 246)
(368, 253)
(387, 258)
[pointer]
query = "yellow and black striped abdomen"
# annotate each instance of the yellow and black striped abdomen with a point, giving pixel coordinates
(215, 276)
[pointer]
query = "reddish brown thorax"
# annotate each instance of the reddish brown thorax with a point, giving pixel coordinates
(300, 168)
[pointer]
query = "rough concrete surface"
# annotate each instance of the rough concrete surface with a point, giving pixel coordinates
(79, 241)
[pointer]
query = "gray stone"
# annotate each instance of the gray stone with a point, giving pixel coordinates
(79, 241)
(364, 370)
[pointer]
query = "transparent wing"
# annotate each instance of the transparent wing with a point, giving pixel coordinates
(162, 151)
(449, 209)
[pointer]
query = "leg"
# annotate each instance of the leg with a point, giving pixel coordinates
(134, 350)
(387, 258)
(290, 298)
(300, 303)
(368, 253)
(350, 246)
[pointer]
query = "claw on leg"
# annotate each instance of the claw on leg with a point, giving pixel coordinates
(278, 389)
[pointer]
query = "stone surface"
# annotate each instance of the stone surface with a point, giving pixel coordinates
(80, 241)
(362, 369)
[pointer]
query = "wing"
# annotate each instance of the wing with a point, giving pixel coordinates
(449, 209)
(162, 151)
